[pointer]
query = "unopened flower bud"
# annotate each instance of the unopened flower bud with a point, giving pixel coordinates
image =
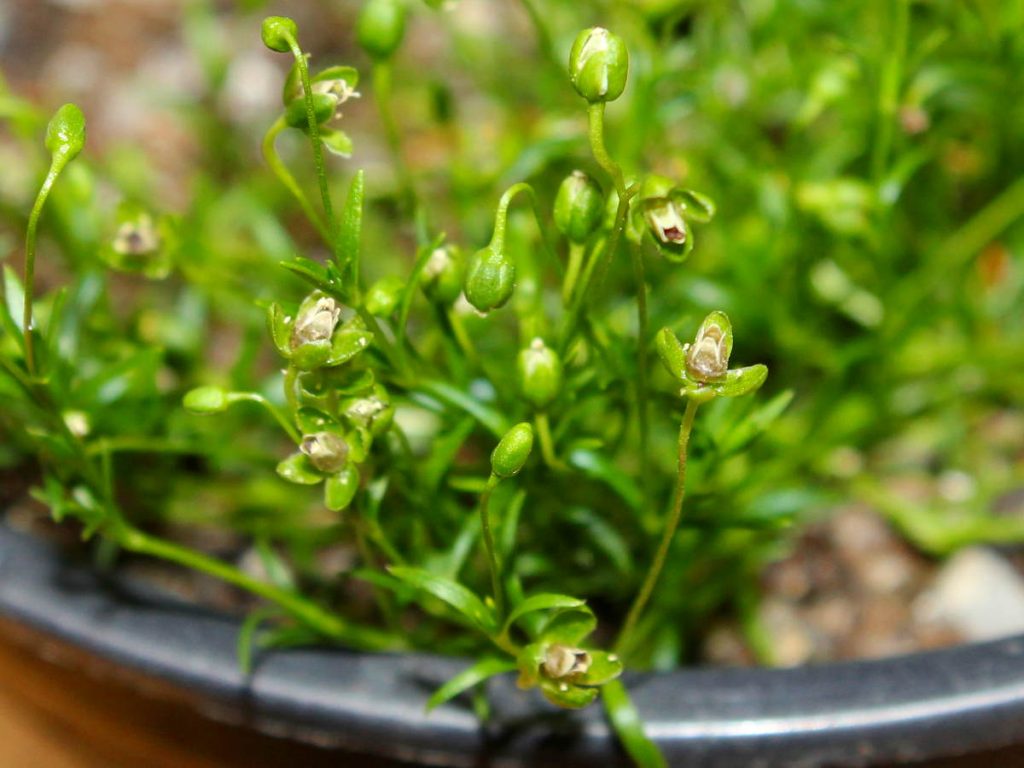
(490, 279)
(316, 322)
(327, 451)
(540, 373)
(65, 133)
(707, 359)
(206, 400)
(561, 661)
(442, 275)
(509, 457)
(598, 65)
(278, 33)
(382, 298)
(579, 206)
(380, 27)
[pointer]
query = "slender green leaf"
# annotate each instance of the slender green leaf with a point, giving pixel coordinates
(627, 726)
(542, 602)
(468, 678)
(451, 592)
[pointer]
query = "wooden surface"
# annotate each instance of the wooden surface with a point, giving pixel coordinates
(54, 715)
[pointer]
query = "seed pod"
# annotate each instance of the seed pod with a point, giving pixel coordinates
(65, 133)
(441, 279)
(278, 33)
(490, 279)
(326, 451)
(540, 374)
(512, 451)
(561, 661)
(579, 206)
(380, 27)
(316, 320)
(340, 488)
(598, 65)
(707, 359)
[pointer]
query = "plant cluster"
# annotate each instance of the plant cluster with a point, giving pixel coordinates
(487, 436)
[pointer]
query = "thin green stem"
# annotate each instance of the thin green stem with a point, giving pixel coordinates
(572, 272)
(318, 150)
(291, 378)
(492, 552)
(382, 89)
(642, 390)
(671, 524)
(462, 337)
(547, 443)
(889, 88)
(304, 611)
(56, 166)
(285, 177)
(273, 410)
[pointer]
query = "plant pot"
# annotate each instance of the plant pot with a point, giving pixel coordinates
(966, 701)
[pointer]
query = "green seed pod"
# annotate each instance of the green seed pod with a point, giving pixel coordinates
(579, 205)
(513, 450)
(707, 359)
(540, 374)
(206, 400)
(380, 27)
(382, 298)
(326, 451)
(442, 275)
(490, 279)
(598, 65)
(65, 133)
(278, 33)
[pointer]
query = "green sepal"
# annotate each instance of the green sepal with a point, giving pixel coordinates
(696, 206)
(347, 342)
(741, 381)
(569, 627)
(280, 326)
(340, 488)
(566, 695)
(672, 353)
(545, 601)
(604, 667)
(336, 141)
(310, 420)
(311, 355)
(298, 469)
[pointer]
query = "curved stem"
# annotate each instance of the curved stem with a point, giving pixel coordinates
(305, 611)
(273, 410)
(671, 524)
(492, 553)
(547, 444)
(285, 177)
(56, 166)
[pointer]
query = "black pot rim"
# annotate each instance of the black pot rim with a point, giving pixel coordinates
(909, 708)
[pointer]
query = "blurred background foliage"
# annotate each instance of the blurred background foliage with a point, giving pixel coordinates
(867, 160)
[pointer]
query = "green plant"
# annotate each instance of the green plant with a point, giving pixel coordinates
(831, 251)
